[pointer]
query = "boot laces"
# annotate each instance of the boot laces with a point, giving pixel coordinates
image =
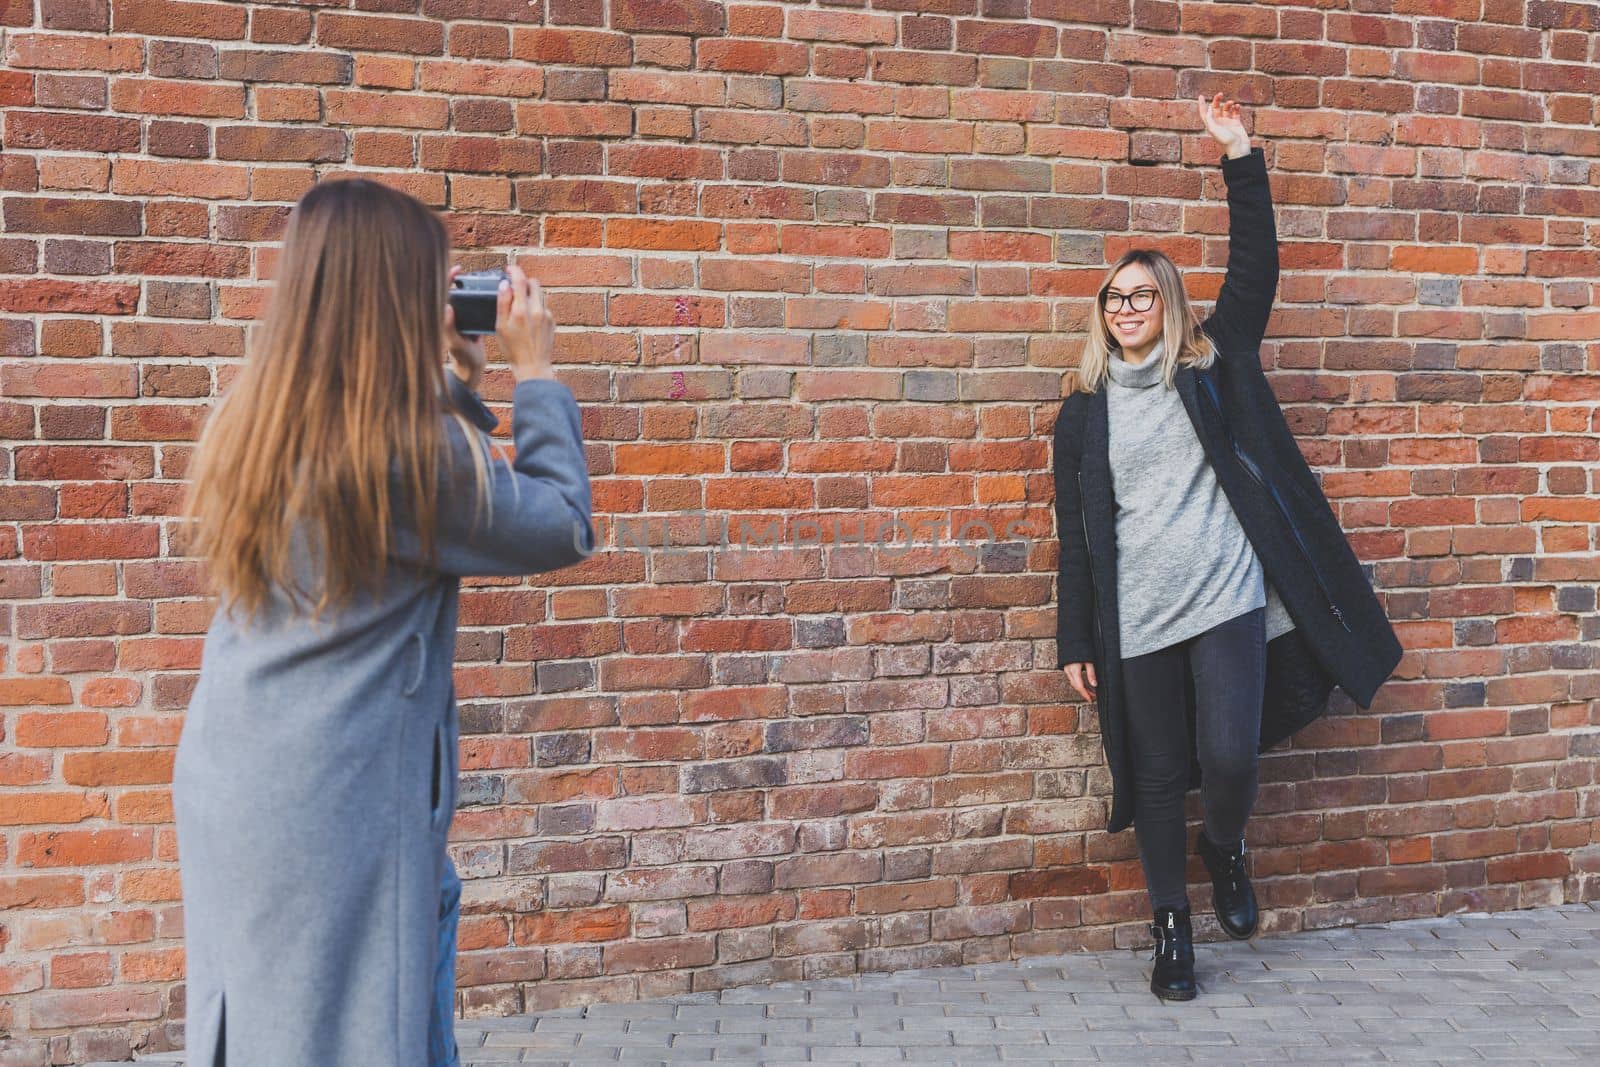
(1233, 864)
(1236, 871)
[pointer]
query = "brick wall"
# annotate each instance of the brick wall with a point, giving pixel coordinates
(812, 263)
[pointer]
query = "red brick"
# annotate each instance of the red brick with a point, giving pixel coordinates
(81, 619)
(280, 143)
(386, 109)
(317, 68)
(47, 296)
(163, 18)
(83, 729)
(71, 133)
(80, 970)
(57, 52)
(117, 218)
(70, 380)
(752, 57)
(92, 541)
(41, 891)
(588, 48)
(423, 37)
(569, 927)
(921, 68)
(79, 848)
(1058, 882)
(905, 896)
(699, 17)
(500, 10)
(84, 1008)
(117, 768)
(682, 236)
(177, 98)
(91, 15)
(493, 155)
(23, 692)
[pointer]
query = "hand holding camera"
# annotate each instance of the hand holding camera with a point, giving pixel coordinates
(509, 305)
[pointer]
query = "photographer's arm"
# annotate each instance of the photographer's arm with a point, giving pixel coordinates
(537, 513)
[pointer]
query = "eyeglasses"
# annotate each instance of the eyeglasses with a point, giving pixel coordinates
(1139, 300)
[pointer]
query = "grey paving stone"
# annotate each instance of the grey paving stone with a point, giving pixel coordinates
(1519, 988)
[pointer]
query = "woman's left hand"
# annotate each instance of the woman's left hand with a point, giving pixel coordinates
(467, 358)
(1222, 122)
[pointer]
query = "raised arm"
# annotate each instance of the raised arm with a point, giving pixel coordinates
(1239, 319)
(535, 515)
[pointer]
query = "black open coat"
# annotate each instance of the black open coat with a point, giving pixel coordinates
(1341, 634)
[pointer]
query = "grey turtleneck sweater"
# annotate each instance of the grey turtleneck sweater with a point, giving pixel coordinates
(1184, 564)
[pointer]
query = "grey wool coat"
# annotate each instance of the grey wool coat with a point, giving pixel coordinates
(1342, 636)
(316, 776)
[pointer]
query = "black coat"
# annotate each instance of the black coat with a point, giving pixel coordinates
(1341, 634)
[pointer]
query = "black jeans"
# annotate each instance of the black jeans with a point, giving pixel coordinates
(1228, 664)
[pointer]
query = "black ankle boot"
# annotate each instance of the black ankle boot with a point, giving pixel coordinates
(1173, 977)
(1231, 893)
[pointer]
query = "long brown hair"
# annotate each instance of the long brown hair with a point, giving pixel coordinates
(343, 389)
(1183, 342)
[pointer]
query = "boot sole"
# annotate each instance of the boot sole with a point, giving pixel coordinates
(1174, 994)
(1247, 935)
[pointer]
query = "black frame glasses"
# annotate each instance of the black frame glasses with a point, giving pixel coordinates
(1112, 300)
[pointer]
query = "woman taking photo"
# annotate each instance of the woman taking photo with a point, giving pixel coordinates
(342, 490)
(1207, 597)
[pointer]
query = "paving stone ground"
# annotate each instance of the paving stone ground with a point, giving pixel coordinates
(1518, 988)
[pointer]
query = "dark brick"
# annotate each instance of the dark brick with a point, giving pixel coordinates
(77, 257)
(701, 17)
(562, 677)
(71, 133)
(180, 140)
(315, 68)
(93, 16)
(555, 750)
(734, 774)
(182, 59)
(178, 300)
(112, 218)
(805, 734)
(282, 144)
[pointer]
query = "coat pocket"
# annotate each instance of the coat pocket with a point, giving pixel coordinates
(439, 795)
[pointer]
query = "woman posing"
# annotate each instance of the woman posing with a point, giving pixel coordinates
(1207, 597)
(341, 494)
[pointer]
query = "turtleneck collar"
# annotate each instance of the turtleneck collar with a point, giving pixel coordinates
(1136, 375)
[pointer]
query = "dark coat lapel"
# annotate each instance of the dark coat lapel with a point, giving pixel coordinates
(1100, 520)
(1100, 533)
(1095, 465)
(1201, 417)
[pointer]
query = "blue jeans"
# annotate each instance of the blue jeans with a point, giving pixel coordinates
(442, 1051)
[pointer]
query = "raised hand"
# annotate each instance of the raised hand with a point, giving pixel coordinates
(524, 326)
(1223, 122)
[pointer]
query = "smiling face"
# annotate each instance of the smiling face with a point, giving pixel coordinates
(1135, 330)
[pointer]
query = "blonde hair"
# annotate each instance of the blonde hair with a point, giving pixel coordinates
(343, 392)
(1183, 342)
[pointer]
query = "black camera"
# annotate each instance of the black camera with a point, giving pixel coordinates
(474, 297)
